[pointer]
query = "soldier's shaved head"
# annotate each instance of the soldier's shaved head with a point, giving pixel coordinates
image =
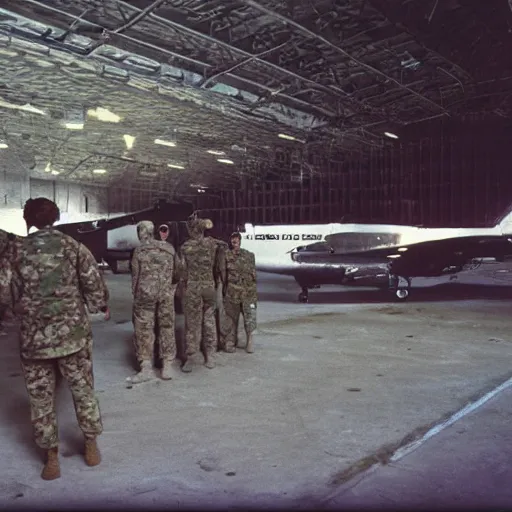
(40, 212)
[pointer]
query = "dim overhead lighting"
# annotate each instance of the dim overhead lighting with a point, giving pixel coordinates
(99, 171)
(3, 145)
(391, 135)
(74, 126)
(176, 166)
(129, 140)
(162, 142)
(225, 161)
(102, 114)
(214, 152)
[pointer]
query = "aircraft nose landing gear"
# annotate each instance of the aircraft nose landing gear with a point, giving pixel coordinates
(402, 293)
(304, 296)
(400, 286)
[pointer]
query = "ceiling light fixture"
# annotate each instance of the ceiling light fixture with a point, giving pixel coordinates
(48, 167)
(391, 135)
(217, 153)
(103, 114)
(165, 143)
(175, 166)
(25, 108)
(290, 137)
(55, 173)
(225, 161)
(129, 140)
(3, 145)
(74, 126)
(99, 171)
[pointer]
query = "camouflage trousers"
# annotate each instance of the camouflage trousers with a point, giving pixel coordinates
(199, 304)
(230, 328)
(150, 317)
(41, 379)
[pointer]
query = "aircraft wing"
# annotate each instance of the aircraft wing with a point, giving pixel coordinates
(423, 259)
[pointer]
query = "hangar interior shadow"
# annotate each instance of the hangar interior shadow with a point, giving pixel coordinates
(438, 293)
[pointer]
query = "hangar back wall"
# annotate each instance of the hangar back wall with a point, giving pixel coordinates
(446, 173)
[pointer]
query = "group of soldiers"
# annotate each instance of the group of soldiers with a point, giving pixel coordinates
(201, 268)
(53, 284)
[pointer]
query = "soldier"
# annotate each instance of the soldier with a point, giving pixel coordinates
(7, 241)
(54, 278)
(155, 268)
(201, 257)
(240, 294)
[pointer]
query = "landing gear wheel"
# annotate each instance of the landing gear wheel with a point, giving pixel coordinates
(402, 294)
(303, 297)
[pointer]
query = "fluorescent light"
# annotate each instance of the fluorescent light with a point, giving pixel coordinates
(25, 108)
(225, 161)
(55, 173)
(3, 145)
(391, 135)
(213, 152)
(102, 114)
(99, 171)
(165, 143)
(48, 167)
(402, 249)
(290, 137)
(74, 126)
(175, 166)
(201, 190)
(129, 140)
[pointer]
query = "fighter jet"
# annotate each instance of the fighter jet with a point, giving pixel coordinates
(380, 255)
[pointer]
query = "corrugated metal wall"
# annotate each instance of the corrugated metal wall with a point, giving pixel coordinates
(455, 176)
(452, 174)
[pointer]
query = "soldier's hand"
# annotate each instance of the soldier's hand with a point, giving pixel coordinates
(107, 314)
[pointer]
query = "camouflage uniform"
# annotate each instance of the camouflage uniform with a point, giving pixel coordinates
(54, 278)
(201, 257)
(155, 267)
(240, 296)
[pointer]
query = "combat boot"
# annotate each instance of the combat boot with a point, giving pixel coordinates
(92, 454)
(168, 370)
(145, 374)
(249, 347)
(51, 469)
(187, 366)
(210, 361)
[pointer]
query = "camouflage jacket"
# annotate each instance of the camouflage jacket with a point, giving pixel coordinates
(9, 245)
(240, 276)
(54, 279)
(155, 265)
(201, 259)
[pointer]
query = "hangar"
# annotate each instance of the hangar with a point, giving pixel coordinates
(267, 112)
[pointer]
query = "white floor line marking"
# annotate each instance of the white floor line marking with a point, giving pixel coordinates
(409, 448)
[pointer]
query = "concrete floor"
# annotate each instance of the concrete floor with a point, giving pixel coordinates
(333, 386)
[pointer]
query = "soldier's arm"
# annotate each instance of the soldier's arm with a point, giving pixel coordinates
(135, 266)
(5, 277)
(220, 263)
(94, 290)
(252, 268)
